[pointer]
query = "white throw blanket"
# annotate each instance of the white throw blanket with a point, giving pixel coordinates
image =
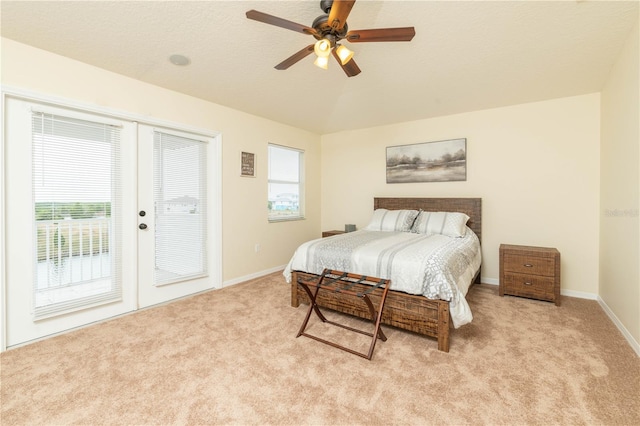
(435, 266)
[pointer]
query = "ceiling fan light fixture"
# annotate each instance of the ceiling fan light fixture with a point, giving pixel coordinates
(322, 62)
(328, 30)
(322, 48)
(344, 54)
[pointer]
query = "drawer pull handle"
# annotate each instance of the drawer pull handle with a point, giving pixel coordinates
(528, 265)
(527, 283)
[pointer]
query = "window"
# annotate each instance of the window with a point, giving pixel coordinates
(76, 194)
(180, 198)
(286, 183)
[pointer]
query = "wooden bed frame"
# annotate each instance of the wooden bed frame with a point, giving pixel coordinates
(406, 311)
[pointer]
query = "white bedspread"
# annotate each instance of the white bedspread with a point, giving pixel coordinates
(435, 266)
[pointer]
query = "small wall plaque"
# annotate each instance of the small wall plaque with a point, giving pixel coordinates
(247, 164)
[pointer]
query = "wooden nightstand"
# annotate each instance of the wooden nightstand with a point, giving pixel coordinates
(532, 272)
(331, 233)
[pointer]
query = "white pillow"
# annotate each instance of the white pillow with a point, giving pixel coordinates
(392, 220)
(452, 224)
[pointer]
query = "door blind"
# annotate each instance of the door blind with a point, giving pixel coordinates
(180, 201)
(77, 227)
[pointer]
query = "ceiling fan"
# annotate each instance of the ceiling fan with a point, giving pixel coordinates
(329, 29)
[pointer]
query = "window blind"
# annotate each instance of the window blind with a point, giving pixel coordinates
(77, 227)
(180, 201)
(285, 181)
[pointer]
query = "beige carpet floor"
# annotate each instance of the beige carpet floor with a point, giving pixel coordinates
(230, 356)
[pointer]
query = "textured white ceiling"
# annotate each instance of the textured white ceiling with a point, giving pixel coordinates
(466, 55)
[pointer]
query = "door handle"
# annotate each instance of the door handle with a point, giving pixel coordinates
(142, 226)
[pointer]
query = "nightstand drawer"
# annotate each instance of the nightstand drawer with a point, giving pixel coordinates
(537, 287)
(529, 265)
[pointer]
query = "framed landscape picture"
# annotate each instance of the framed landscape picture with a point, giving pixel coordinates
(441, 161)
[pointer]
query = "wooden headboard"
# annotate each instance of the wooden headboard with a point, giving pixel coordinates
(472, 207)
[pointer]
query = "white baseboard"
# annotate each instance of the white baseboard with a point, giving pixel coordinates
(491, 281)
(253, 276)
(632, 342)
(579, 294)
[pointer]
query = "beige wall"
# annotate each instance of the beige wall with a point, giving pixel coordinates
(620, 189)
(244, 200)
(535, 166)
(544, 177)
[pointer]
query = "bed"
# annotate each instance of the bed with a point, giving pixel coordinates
(413, 312)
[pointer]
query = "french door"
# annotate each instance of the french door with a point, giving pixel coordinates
(103, 216)
(173, 230)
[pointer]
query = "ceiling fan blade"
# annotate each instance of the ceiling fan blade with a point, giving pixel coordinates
(351, 69)
(279, 22)
(295, 58)
(381, 34)
(340, 10)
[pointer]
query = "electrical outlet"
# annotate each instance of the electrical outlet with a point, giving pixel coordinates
(257, 248)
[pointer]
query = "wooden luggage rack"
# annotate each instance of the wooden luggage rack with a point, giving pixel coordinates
(343, 282)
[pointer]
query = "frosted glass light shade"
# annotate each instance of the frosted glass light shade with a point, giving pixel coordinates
(322, 48)
(322, 62)
(344, 54)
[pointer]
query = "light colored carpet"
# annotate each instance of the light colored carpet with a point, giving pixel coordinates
(230, 356)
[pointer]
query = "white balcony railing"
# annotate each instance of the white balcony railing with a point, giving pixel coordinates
(72, 252)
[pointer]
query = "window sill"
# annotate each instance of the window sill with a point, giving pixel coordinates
(285, 219)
